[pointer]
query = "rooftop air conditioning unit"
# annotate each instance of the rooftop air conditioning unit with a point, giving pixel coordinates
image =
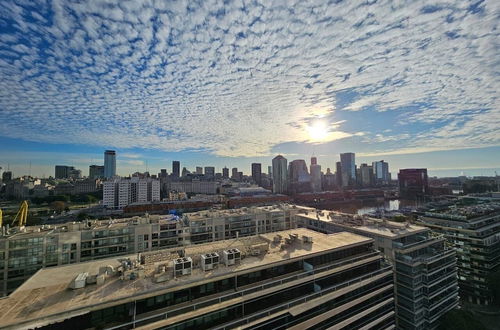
(307, 239)
(231, 256)
(209, 261)
(183, 266)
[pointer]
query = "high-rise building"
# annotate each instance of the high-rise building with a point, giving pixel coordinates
(413, 183)
(225, 173)
(120, 192)
(199, 170)
(234, 173)
(257, 173)
(329, 181)
(163, 173)
(184, 172)
(474, 231)
(295, 279)
(425, 268)
(280, 175)
(209, 172)
(96, 171)
(6, 176)
(176, 169)
(314, 160)
(381, 172)
(315, 177)
(299, 179)
(67, 172)
(270, 171)
(348, 168)
(338, 174)
(365, 175)
(61, 171)
(109, 164)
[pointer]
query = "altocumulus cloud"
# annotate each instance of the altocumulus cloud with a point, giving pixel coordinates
(236, 79)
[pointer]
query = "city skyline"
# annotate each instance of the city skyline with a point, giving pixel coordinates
(414, 84)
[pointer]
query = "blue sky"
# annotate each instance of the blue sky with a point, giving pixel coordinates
(211, 83)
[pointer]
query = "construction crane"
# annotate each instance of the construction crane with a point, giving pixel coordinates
(22, 214)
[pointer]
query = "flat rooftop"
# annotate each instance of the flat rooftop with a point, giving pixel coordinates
(207, 214)
(111, 224)
(363, 223)
(45, 298)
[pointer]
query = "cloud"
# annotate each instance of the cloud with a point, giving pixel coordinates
(236, 80)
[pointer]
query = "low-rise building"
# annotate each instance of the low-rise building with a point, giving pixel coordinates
(297, 279)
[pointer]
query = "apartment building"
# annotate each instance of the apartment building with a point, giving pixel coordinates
(120, 192)
(474, 232)
(425, 268)
(24, 252)
(295, 279)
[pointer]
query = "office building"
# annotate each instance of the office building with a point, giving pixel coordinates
(199, 170)
(338, 174)
(348, 164)
(381, 172)
(234, 173)
(120, 192)
(22, 253)
(296, 279)
(210, 172)
(96, 172)
(257, 173)
(315, 176)
(299, 179)
(329, 181)
(109, 164)
(365, 177)
(225, 173)
(176, 169)
(67, 172)
(163, 173)
(280, 175)
(413, 183)
(6, 176)
(425, 268)
(474, 231)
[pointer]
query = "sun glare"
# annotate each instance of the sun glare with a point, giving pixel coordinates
(318, 131)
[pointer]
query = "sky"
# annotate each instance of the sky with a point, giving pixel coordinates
(230, 83)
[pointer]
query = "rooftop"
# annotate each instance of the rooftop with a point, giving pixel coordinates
(45, 297)
(213, 213)
(364, 223)
(36, 231)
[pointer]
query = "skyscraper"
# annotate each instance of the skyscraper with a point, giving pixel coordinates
(199, 170)
(299, 179)
(316, 177)
(381, 172)
(314, 161)
(234, 173)
(257, 173)
(209, 171)
(176, 169)
(225, 173)
(348, 163)
(109, 164)
(280, 175)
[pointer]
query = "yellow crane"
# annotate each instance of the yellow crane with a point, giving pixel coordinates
(22, 214)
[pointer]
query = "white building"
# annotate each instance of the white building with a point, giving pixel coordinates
(120, 192)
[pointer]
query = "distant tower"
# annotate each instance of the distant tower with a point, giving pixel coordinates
(280, 175)
(176, 168)
(257, 173)
(314, 161)
(225, 173)
(109, 164)
(348, 168)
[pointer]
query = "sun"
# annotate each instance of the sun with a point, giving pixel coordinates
(318, 131)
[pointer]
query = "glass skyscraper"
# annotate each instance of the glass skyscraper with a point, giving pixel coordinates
(109, 164)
